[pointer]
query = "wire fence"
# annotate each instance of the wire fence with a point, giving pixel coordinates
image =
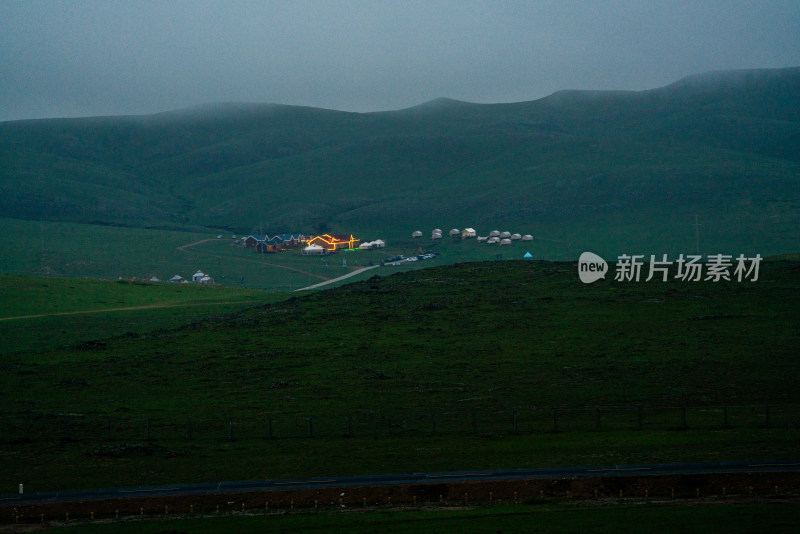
(79, 427)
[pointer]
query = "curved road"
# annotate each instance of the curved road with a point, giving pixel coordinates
(402, 479)
(348, 275)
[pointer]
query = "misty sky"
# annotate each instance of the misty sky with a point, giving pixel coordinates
(111, 57)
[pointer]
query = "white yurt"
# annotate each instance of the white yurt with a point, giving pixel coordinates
(455, 232)
(514, 237)
(505, 235)
(527, 237)
(505, 241)
(416, 233)
(494, 233)
(493, 240)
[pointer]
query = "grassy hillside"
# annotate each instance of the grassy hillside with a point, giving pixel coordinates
(444, 336)
(429, 368)
(614, 170)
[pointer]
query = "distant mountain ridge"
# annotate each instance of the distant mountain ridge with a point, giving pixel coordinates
(609, 167)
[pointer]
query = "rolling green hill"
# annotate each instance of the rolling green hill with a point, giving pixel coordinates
(609, 171)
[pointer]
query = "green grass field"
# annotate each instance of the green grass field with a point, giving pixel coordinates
(44, 313)
(451, 367)
(43, 248)
(641, 517)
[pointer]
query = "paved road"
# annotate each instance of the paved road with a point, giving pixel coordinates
(348, 275)
(401, 479)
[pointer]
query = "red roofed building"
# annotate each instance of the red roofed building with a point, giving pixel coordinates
(334, 242)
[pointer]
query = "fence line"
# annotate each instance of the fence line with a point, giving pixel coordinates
(77, 427)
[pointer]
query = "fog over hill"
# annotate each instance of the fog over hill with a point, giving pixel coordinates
(609, 170)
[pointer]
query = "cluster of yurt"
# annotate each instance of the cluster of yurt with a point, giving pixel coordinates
(494, 237)
(504, 238)
(454, 233)
(199, 278)
(369, 245)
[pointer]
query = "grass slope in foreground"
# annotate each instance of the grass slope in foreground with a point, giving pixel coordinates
(431, 367)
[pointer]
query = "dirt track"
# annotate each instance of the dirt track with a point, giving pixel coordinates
(126, 308)
(188, 245)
